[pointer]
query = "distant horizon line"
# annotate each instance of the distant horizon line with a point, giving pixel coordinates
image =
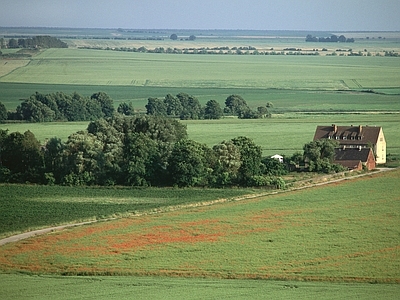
(195, 29)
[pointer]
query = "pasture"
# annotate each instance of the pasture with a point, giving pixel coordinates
(21, 287)
(305, 235)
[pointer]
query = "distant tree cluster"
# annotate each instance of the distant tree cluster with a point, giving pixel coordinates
(332, 39)
(61, 107)
(174, 37)
(37, 42)
(188, 107)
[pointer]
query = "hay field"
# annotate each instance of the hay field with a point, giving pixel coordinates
(96, 67)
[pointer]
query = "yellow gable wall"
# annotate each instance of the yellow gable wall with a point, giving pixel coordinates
(380, 148)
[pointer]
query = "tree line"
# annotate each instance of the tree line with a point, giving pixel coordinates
(332, 39)
(134, 151)
(188, 107)
(149, 151)
(40, 41)
(60, 107)
(75, 107)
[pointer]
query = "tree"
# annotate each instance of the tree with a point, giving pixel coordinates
(274, 167)
(12, 43)
(126, 109)
(191, 108)
(140, 160)
(156, 107)
(342, 39)
(235, 105)
(21, 154)
(192, 38)
(320, 154)
(250, 155)
(174, 106)
(3, 112)
(227, 163)
(34, 111)
(212, 110)
(173, 37)
(106, 103)
(53, 159)
(188, 164)
(81, 156)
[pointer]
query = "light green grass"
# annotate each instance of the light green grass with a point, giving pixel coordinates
(343, 232)
(93, 67)
(21, 287)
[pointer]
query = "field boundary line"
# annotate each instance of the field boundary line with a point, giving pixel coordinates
(29, 234)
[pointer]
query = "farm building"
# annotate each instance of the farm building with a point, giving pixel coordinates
(278, 157)
(356, 137)
(355, 158)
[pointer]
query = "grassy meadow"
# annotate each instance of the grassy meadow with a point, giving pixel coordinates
(21, 287)
(298, 235)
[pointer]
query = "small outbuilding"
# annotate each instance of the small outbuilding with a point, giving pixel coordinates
(278, 157)
(355, 158)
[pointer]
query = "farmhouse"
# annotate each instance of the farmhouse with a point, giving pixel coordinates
(357, 137)
(355, 158)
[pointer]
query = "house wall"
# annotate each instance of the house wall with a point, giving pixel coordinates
(370, 163)
(380, 149)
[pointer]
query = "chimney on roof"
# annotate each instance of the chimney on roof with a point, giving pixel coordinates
(334, 128)
(359, 129)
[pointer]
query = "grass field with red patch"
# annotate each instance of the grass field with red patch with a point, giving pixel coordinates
(341, 232)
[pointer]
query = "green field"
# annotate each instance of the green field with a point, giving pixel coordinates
(21, 287)
(94, 67)
(302, 235)
(26, 207)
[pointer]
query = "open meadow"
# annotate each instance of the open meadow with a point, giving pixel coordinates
(306, 235)
(327, 242)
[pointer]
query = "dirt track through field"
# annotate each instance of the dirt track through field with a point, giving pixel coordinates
(18, 237)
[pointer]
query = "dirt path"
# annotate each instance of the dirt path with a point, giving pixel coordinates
(22, 236)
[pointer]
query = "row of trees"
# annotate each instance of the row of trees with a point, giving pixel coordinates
(61, 107)
(135, 151)
(34, 42)
(188, 107)
(147, 151)
(332, 39)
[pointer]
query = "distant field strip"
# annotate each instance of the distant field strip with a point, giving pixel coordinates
(9, 65)
(93, 67)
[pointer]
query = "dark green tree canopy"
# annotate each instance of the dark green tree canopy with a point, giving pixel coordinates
(3, 112)
(212, 110)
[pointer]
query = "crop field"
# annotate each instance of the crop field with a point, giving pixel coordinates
(94, 67)
(301, 235)
(26, 207)
(26, 287)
